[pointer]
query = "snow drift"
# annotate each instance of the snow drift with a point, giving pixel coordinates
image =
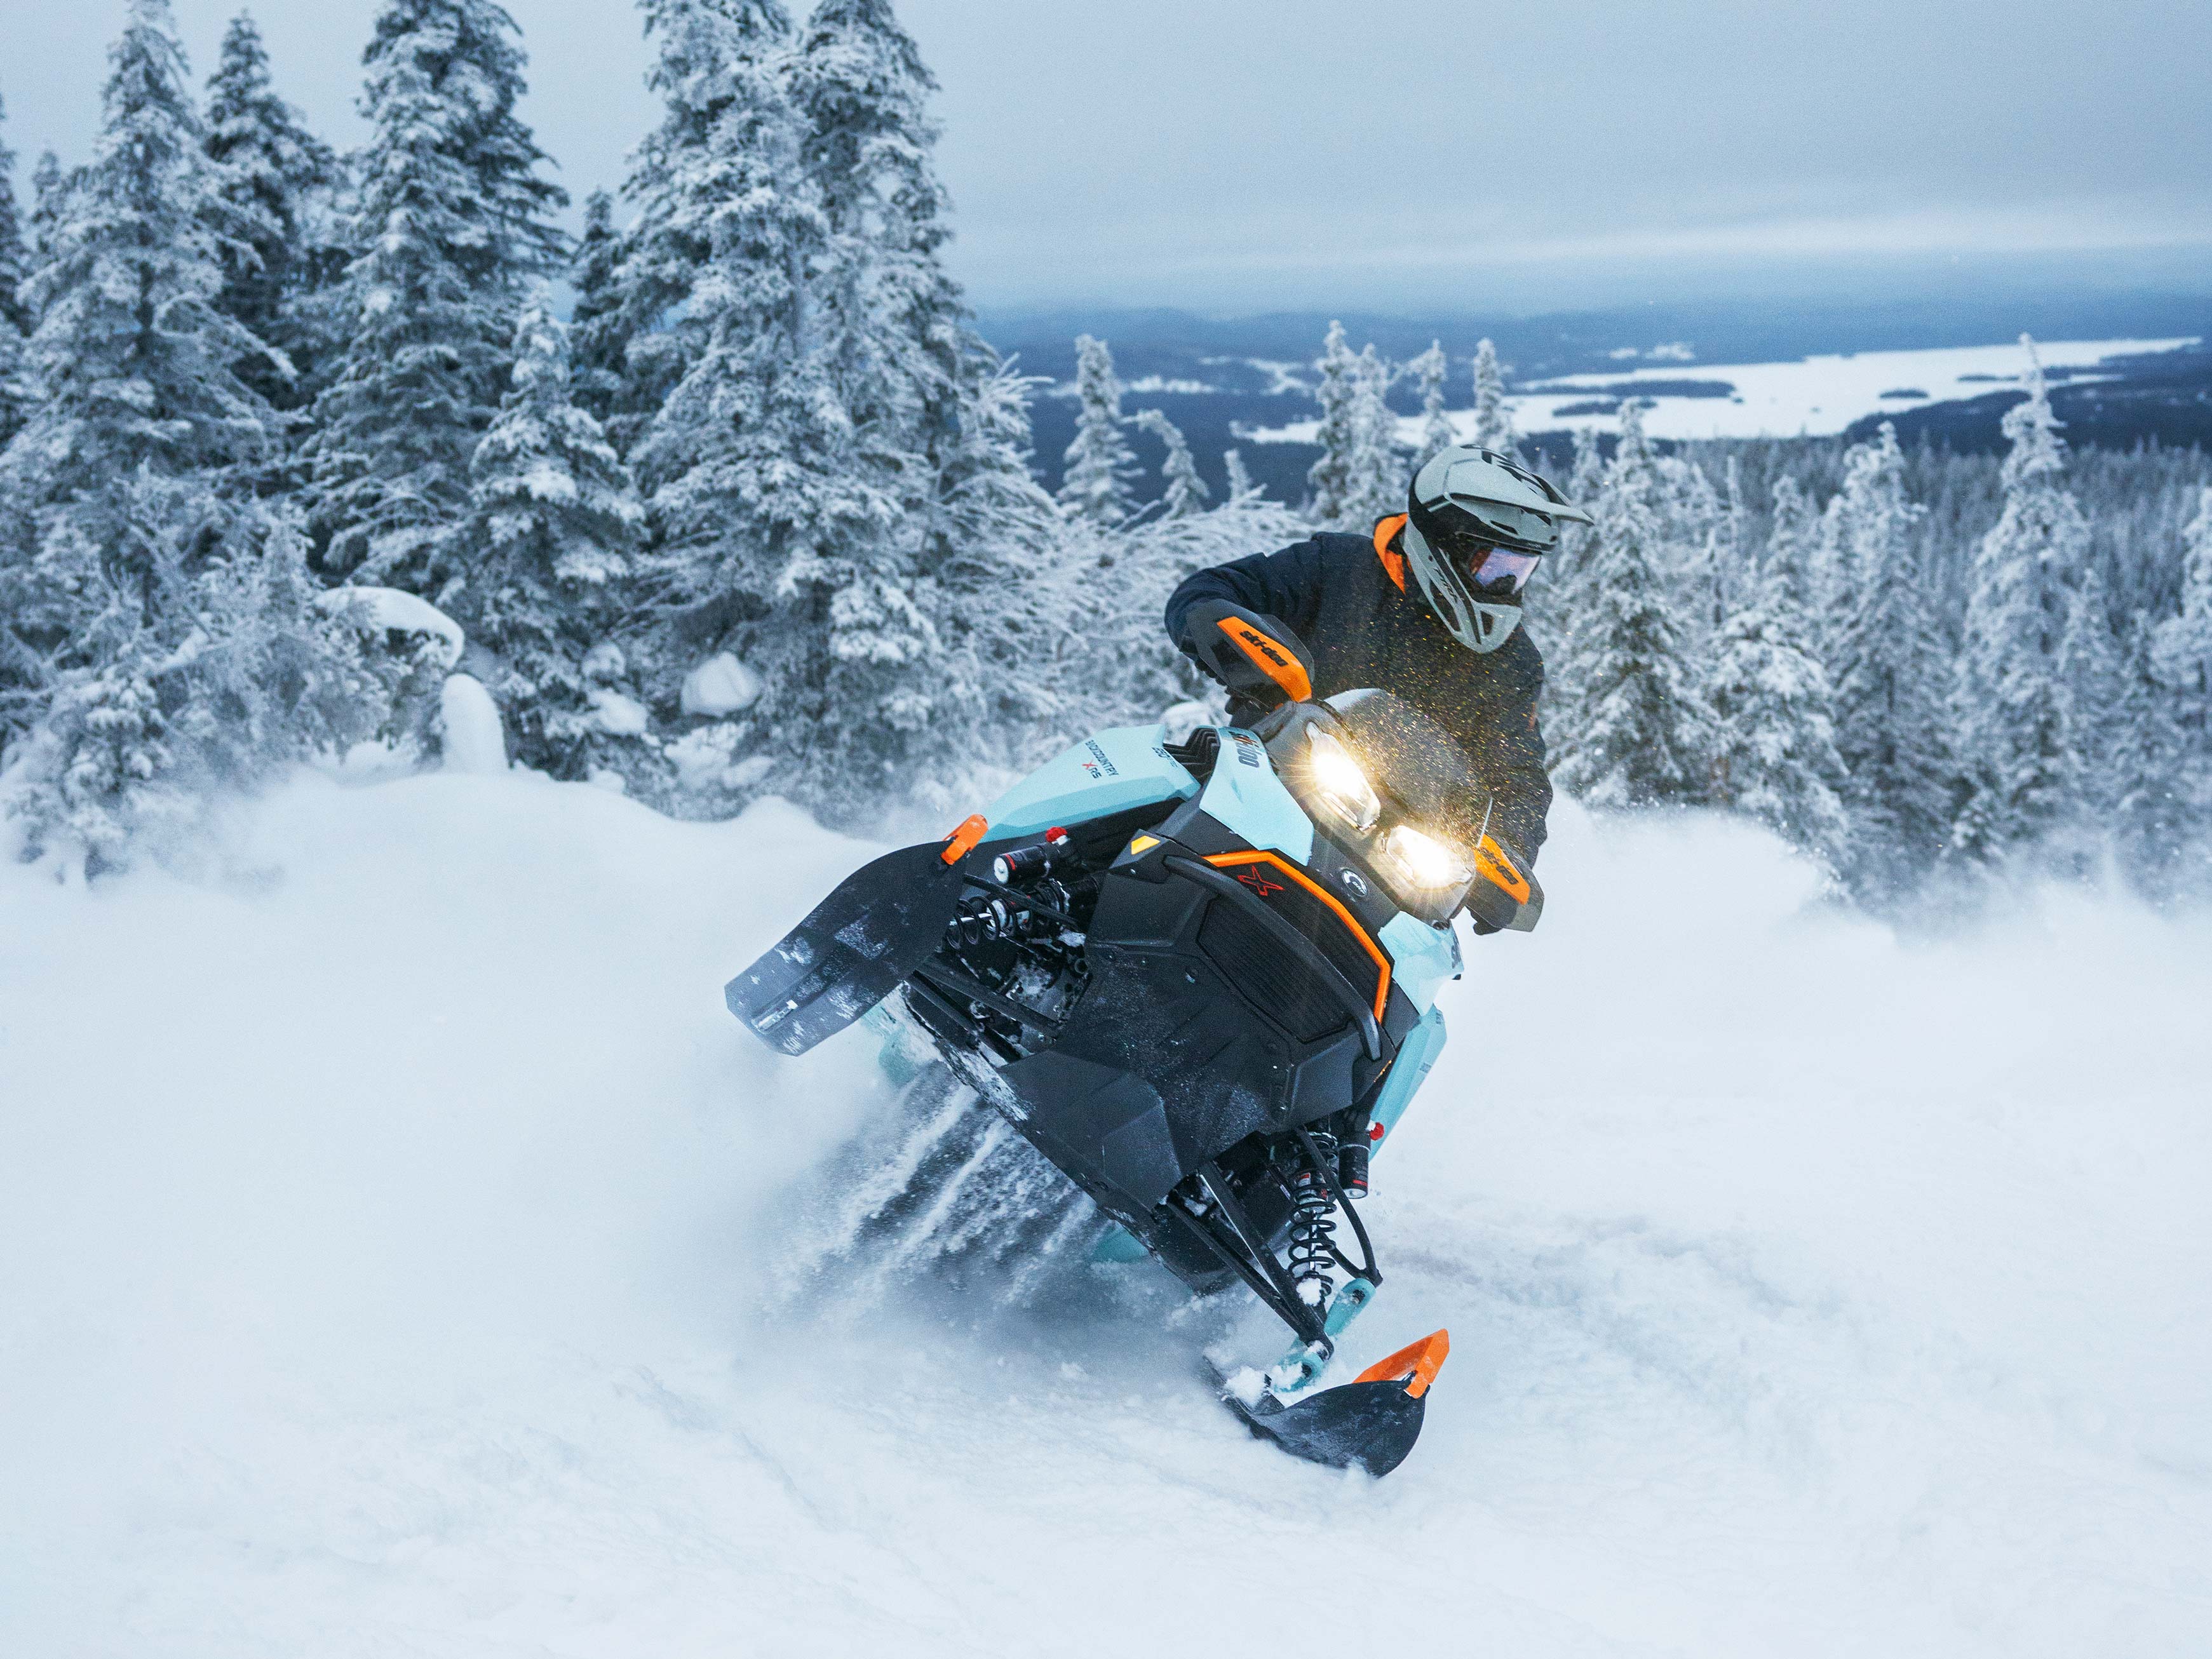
(391, 1235)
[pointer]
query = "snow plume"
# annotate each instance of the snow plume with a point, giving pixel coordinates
(397, 1284)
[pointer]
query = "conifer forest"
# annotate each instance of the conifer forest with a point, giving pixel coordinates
(727, 497)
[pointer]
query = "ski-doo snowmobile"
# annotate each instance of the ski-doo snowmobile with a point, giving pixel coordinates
(1199, 977)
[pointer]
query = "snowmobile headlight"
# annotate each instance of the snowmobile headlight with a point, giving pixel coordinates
(1337, 779)
(1426, 864)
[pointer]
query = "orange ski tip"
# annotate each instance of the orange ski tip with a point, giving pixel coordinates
(961, 841)
(1416, 1365)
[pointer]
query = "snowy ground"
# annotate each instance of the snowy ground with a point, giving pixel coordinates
(1810, 397)
(384, 1224)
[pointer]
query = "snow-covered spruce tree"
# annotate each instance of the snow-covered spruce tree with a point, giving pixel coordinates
(2088, 672)
(555, 525)
(1429, 371)
(926, 397)
(2158, 826)
(707, 53)
(598, 372)
(1775, 751)
(1886, 661)
(50, 188)
(2181, 658)
(1493, 416)
(2020, 776)
(1184, 492)
(15, 319)
(1791, 526)
(1639, 732)
(1329, 479)
(270, 170)
(892, 319)
(1094, 484)
(1555, 605)
(1691, 516)
(1006, 606)
(451, 223)
(135, 364)
(15, 249)
(1375, 470)
(1586, 476)
(205, 663)
(1241, 483)
(780, 529)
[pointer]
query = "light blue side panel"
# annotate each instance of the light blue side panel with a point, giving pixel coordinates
(1110, 773)
(1246, 797)
(1422, 1046)
(1422, 957)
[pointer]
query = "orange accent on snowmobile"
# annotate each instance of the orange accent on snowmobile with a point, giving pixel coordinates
(1269, 658)
(961, 841)
(1490, 858)
(1416, 1365)
(1393, 562)
(1224, 860)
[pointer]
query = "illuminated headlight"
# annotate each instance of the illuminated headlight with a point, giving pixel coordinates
(1425, 863)
(1342, 787)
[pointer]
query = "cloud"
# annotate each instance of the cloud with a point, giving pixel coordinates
(1169, 150)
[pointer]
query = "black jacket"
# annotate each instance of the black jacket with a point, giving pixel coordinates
(1340, 598)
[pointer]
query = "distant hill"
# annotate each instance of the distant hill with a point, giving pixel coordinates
(1214, 376)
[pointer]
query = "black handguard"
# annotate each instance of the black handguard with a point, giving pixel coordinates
(1259, 660)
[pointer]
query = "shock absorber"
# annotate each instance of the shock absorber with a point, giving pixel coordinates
(1313, 1229)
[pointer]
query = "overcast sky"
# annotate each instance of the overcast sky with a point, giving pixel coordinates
(1254, 155)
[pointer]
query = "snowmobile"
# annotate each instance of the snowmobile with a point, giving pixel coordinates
(1198, 976)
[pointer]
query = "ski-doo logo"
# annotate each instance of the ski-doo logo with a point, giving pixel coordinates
(1256, 641)
(1258, 884)
(1248, 749)
(1098, 766)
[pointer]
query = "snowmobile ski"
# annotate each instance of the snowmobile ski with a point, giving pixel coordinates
(1371, 1422)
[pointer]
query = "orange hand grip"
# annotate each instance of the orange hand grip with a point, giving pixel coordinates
(1490, 858)
(1270, 658)
(1416, 1365)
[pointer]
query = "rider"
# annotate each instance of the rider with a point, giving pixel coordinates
(1341, 613)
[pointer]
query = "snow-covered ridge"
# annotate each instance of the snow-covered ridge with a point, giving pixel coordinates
(1810, 397)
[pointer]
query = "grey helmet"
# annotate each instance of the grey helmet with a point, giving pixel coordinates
(1476, 525)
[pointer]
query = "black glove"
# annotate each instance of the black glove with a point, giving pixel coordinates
(1258, 660)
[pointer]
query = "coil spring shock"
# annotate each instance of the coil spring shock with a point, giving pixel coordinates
(1313, 1230)
(985, 918)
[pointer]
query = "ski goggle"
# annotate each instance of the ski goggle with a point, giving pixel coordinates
(1496, 572)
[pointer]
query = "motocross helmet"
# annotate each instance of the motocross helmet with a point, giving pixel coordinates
(1476, 525)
